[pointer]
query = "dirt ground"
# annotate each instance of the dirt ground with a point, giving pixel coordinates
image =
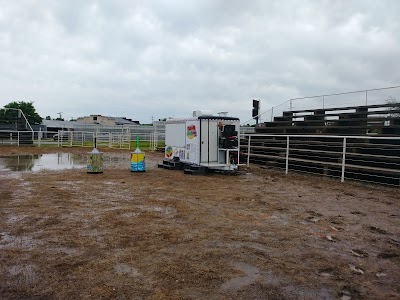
(165, 235)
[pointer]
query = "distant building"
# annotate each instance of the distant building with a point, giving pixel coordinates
(103, 120)
(55, 125)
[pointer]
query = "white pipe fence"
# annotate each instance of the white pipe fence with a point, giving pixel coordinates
(114, 139)
(363, 158)
(61, 138)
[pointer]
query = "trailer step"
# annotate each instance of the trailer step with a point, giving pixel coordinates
(171, 164)
(195, 170)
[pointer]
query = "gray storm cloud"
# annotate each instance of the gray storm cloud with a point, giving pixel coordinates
(143, 59)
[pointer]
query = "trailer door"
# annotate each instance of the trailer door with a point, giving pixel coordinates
(209, 141)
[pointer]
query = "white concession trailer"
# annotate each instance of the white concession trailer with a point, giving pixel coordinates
(210, 142)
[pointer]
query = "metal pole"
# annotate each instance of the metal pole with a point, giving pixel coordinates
(287, 155)
(39, 136)
(291, 105)
(366, 97)
(18, 138)
(343, 158)
(323, 101)
(248, 151)
(272, 113)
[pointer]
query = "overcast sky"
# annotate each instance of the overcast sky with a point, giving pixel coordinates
(166, 58)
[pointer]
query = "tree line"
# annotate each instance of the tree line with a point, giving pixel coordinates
(11, 112)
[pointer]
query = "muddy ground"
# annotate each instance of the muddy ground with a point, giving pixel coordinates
(165, 235)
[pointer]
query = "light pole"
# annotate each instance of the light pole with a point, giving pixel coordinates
(256, 110)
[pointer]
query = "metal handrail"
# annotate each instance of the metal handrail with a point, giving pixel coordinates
(364, 163)
(20, 110)
(290, 101)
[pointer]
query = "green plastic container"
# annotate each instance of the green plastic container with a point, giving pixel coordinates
(94, 162)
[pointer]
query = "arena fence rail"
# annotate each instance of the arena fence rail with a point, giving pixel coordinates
(363, 158)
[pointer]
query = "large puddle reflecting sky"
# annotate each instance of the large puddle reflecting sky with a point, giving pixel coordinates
(37, 162)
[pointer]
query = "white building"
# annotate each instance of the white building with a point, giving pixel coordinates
(104, 120)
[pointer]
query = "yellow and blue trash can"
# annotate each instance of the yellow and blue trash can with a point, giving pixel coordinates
(138, 163)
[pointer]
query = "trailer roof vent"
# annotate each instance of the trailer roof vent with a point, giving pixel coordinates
(223, 114)
(199, 113)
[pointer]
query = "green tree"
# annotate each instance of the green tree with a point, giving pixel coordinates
(27, 108)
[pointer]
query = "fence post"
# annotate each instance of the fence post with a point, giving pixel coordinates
(248, 151)
(291, 105)
(272, 113)
(323, 102)
(366, 97)
(39, 136)
(18, 138)
(343, 158)
(96, 138)
(287, 155)
(153, 141)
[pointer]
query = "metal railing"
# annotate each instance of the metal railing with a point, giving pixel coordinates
(18, 138)
(64, 138)
(14, 119)
(81, 138)
(358, 98)
(363, 158)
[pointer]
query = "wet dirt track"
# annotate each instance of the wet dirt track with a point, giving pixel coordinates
(166, 235)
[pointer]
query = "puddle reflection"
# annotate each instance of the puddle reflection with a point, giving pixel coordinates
(37, 162)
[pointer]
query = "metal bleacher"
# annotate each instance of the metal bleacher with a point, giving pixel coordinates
(381, 119)
(14, 128)
(365, 140)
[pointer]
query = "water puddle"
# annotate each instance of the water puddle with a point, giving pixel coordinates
(21, 242)
(23, 274)
(124, 269)
(163, 210)
(38, 162)
(251, 273)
